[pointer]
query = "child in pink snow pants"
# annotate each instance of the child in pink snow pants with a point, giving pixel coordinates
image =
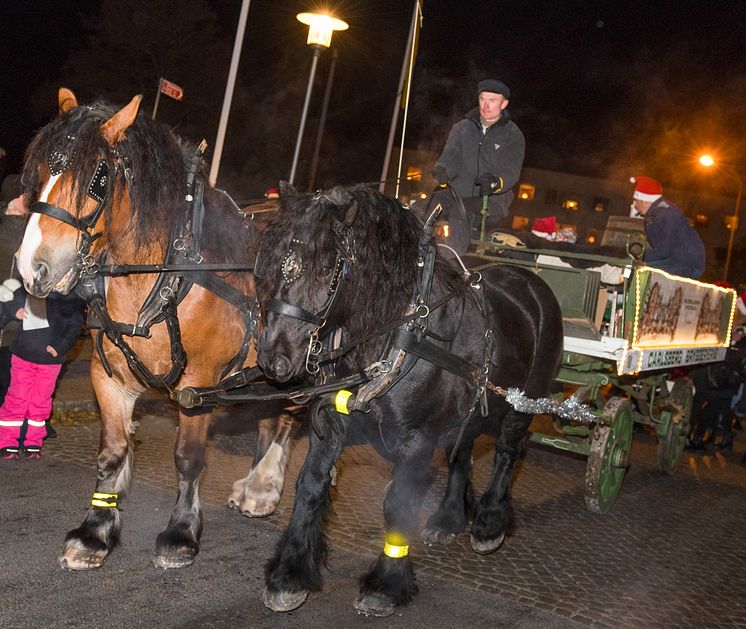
(49, 328)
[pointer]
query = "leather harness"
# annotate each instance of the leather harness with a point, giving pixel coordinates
(183, 267)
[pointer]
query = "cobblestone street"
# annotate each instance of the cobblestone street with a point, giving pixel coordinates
(671, 553)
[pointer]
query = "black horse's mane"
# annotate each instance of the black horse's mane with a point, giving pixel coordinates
(383, 239)
(159, 161)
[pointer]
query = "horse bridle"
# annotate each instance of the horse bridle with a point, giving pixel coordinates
(97, 191)
(58, 162)
(292, 268)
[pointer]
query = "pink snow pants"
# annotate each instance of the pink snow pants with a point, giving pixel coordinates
(29, 397)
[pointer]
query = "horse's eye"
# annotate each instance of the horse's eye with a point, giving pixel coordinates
(326, 271)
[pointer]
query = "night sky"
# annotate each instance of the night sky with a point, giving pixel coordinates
(599, 88)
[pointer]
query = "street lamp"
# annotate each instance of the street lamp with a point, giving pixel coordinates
(708, 161)
(320, 30)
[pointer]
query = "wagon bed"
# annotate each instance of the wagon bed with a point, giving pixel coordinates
(628, 331)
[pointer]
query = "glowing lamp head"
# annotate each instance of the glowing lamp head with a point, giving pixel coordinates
(707, 161)
(321, 27)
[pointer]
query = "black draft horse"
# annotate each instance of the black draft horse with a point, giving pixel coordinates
(352, 259)
(109, 186)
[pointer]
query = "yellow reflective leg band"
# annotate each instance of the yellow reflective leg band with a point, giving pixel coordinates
(395, 546)
(340, 401)
(105, 501)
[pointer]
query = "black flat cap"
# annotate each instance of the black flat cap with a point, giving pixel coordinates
(494, 86)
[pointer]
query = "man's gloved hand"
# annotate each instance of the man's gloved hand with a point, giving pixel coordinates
(488, 184)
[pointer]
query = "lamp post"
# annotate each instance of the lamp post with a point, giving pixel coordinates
(708, 161)
(320, 30)
(322, 120)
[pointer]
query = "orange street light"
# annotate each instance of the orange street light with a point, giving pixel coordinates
(708, 161)
(320, 30)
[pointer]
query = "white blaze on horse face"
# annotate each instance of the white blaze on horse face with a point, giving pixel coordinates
(32, 237)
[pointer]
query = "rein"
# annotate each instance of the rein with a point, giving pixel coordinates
(116, 270)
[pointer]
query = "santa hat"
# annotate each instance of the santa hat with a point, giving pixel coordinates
(545, 227)
(272, 193)
(646, 189)
(741, 303)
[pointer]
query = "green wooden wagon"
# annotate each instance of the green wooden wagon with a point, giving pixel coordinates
(628, 329)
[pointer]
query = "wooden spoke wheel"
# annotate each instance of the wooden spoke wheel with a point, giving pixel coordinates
(672, 441)
(608, 457)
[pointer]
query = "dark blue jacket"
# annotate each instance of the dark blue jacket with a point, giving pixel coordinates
(65, 317)
(675, 246)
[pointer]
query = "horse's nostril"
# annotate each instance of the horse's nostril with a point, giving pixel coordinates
(41, 271)
(281, 367)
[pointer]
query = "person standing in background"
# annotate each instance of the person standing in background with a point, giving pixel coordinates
(49, 329)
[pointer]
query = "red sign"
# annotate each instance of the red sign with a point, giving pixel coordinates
(171, 89)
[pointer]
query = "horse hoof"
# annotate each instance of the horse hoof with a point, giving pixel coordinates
(375, 604)
(253, 506)
(433, 537)
(174, 560)
(283, 601)
(77, 557)
(259, 509)
(485, 547)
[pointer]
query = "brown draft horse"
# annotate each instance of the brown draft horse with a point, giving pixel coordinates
(107, 187)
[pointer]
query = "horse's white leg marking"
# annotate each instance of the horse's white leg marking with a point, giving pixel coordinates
(32, 237)
(258, 494)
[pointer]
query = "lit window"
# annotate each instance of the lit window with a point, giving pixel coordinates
(593, 237)
(730, 221)
(414, 174)
(600, 205)
(701, 219)
(520, 222)
(526, 191)
(570, 204)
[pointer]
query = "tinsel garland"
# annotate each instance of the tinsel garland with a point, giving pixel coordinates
(570, 408)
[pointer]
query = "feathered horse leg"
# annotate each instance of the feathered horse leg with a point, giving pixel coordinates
(87, 546)
(493, 514)
(177, 546)
(294, 570)
(457, 505)
(390, 579)
(258, 494)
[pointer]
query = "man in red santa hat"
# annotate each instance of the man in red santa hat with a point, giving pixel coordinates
(674, 244)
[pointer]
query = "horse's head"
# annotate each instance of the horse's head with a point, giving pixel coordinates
(305, 256)
(72, 174)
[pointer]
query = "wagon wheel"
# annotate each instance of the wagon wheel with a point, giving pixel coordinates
(608, 457)
(671, 444)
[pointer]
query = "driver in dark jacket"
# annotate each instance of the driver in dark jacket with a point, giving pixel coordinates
(484, 155)
(675, 246)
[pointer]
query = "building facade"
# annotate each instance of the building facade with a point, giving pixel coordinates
(586, 203)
